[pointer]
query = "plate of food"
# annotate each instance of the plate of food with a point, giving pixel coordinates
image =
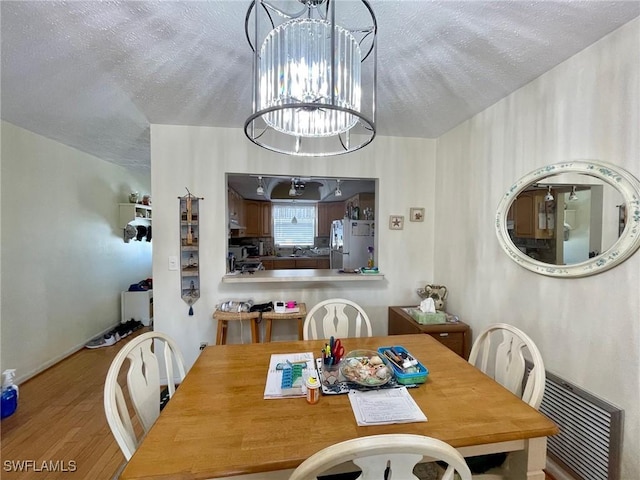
(366, 368)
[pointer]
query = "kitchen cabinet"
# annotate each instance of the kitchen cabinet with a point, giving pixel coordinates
(265, 226)
(289, 263)
(253, 218)
(455, 336)
(533, 217)
(336, 211)
(324, 224)
(362, 201)
(257, 218)
(306, 263)
(284, 264)
(235, 204)
(327, 213)
(323, 263)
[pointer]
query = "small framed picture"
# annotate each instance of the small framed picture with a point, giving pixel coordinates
(396, 222)
(416, 214)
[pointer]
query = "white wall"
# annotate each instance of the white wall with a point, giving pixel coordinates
(198, 157)
(587, 329)
(64, 262)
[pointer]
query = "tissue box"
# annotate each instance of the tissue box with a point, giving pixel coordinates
(426, 318)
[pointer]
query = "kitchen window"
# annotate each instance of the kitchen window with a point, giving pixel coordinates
(293, 224)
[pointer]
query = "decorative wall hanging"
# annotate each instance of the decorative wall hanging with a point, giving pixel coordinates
(396, 222)
(189, 249)
(416, 215)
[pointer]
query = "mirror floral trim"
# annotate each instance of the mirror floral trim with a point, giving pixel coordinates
(625, 246)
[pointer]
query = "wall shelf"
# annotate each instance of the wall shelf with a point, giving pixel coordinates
(189, 251)
(134, 214)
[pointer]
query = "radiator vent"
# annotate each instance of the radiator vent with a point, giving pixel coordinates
(589, 443)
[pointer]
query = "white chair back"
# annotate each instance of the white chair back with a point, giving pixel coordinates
(336, 317)
(143, 385)
(501, 351)
(395, 454)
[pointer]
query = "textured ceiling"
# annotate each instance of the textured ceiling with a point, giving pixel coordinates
(95, 74)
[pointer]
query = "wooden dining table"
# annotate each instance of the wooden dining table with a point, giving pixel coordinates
(218, 425)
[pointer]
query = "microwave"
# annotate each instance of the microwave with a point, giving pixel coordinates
(239, 252)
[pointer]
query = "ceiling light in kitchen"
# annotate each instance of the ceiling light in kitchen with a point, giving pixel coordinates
(314, 79)
(260, 189)
(338, 192)
(573, 196)
(297, 188)
(548, 197)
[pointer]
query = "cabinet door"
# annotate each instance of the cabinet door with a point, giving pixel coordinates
(265, 208)
(253, 218)
(236, 211)
(324, 223)
(532, 216)
(306, 263)
(525, 213)
(267, 264)
(336, 211)
(367, 200)
(284, 264)
(323, 263)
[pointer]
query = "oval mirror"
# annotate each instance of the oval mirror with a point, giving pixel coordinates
(571, 219)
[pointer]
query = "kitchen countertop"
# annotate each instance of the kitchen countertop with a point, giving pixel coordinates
(300, 275)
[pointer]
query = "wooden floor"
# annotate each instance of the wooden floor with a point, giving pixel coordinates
(60, 422)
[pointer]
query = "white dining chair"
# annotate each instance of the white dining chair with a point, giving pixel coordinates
(336, 317)
(392, 456)
(511, 358)
(142, 383)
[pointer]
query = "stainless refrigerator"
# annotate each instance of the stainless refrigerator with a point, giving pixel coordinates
(350, 241)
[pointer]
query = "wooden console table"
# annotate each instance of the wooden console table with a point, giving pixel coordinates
(455, 336)
(268, 317)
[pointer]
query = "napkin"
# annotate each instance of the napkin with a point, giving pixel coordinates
(428, 306)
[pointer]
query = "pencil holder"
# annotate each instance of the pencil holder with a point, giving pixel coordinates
(330, 374)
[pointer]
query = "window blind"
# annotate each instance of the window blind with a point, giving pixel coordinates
(301, 232)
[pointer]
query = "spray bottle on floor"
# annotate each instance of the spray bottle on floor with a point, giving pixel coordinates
(9, 393)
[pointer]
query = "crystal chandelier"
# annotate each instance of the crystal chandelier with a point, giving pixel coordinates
(314, 77)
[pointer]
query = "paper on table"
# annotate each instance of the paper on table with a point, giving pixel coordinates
(382, 407)
(273, 387)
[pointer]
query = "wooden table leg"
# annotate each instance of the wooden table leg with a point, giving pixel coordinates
(300, 325)
(267, 332)
(221, 334)
(529, 463)
(255, 334)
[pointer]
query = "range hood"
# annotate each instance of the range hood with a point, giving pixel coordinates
(234, 225)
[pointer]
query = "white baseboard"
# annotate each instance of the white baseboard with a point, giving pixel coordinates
(58, 358)
(556, 471)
